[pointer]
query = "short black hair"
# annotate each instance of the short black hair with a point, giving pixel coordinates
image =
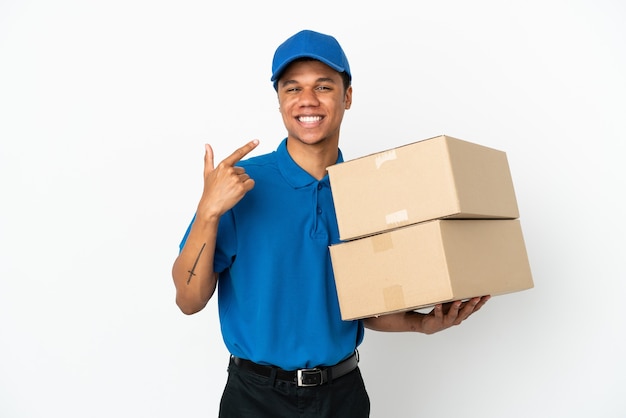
(345, 77)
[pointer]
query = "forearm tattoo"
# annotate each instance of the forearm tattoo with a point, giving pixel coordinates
(193, 269)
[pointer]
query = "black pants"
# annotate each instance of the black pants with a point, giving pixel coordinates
(250, 395)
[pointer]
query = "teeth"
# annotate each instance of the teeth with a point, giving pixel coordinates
(309, 118)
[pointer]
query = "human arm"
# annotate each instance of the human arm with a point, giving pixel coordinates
(224, 186)
(442, 316)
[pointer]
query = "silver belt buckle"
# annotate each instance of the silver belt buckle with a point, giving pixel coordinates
(309, 377)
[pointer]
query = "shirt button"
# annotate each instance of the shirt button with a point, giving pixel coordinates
(319, 186)
(319, 210)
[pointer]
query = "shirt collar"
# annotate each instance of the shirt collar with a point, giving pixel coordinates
(295, 175)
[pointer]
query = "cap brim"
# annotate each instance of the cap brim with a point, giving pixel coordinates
(282, 67)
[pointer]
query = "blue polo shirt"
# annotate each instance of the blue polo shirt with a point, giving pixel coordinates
(276, 290)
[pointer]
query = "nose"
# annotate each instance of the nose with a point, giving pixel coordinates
(308, 98)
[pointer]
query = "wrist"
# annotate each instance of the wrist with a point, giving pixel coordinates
(414, 321)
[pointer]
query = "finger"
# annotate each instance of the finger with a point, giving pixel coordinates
(236, 156)
(208, 159)
(481, 302)
(442, 309)
(469, 308)
(452, 316)
(438, 311)
(248, 184)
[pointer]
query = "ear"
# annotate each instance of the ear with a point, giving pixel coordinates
(348, 98)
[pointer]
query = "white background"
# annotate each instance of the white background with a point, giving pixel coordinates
(104, 110)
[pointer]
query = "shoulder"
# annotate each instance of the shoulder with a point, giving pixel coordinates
(259, 160)
(260, 164)
(266, 160)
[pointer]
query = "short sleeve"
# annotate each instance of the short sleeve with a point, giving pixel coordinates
(225, 247)
(226, 244)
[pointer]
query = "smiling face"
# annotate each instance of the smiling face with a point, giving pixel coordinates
(312, 102)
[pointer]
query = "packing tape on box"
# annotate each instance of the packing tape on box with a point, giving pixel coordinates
(394, 298)
(383, 157)
(397, 218)
(381, 242)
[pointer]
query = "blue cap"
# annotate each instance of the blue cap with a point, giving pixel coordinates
(309, 44)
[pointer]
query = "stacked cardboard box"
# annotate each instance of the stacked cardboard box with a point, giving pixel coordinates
(428, 222)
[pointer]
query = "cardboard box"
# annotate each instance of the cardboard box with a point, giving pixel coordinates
(428, 263)
(441, 177)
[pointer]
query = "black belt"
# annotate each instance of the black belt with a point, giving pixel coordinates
(302, 377)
